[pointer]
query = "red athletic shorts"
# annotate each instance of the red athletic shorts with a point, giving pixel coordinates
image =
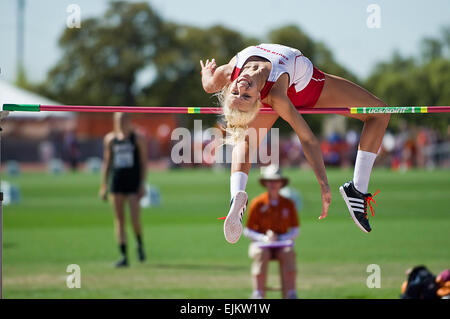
(310, 94)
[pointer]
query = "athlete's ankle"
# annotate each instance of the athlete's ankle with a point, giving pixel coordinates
(363, 168)
(238, 182)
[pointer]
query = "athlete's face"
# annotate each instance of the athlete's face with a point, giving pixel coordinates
(243, 93)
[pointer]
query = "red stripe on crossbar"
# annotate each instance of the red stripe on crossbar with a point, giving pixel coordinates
(174, 109)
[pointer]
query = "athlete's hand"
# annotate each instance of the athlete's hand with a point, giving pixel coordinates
(141, 192)
(326, 200)
(210, 66)
(103, 192)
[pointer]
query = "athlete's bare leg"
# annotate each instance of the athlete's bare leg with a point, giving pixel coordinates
(119, 217)
(119, 223)
(241, 162)
(242, 157)
(135, 214)
(339, 92)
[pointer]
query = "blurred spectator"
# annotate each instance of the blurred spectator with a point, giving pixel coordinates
(124, 169)
(443, 282)
(422, 284)
(272, 226)
(71, 149)
(46, 151)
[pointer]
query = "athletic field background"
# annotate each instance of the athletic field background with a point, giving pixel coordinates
(61, 221)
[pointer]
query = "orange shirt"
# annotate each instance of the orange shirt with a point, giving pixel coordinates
(264, 216)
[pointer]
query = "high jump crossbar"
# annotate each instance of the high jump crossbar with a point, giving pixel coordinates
(217, 110)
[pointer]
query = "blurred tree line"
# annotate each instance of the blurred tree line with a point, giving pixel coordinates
(423, 81)
(131, 56)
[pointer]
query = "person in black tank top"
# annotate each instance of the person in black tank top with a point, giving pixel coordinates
(124, 170)
(125, 167)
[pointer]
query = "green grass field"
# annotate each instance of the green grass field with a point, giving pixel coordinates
(61, 221)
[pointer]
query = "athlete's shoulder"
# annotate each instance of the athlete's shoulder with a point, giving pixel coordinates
(109, 138)
(232, 61)
(226, 70)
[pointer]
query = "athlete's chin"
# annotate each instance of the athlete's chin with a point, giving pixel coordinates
(245, 108)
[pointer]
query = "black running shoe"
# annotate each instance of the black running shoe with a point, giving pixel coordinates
(357, 205)
(123, 262)
(141, 254)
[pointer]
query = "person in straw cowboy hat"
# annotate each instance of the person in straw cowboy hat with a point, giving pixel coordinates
(272, 225)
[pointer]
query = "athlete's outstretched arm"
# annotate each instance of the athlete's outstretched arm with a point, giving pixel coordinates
(311, 146)
(215, 78)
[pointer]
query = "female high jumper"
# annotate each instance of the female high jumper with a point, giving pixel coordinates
(281, 77)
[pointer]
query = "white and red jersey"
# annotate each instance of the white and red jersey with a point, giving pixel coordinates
(284, 60)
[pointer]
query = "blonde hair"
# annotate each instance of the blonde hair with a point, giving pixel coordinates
(237, 121)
